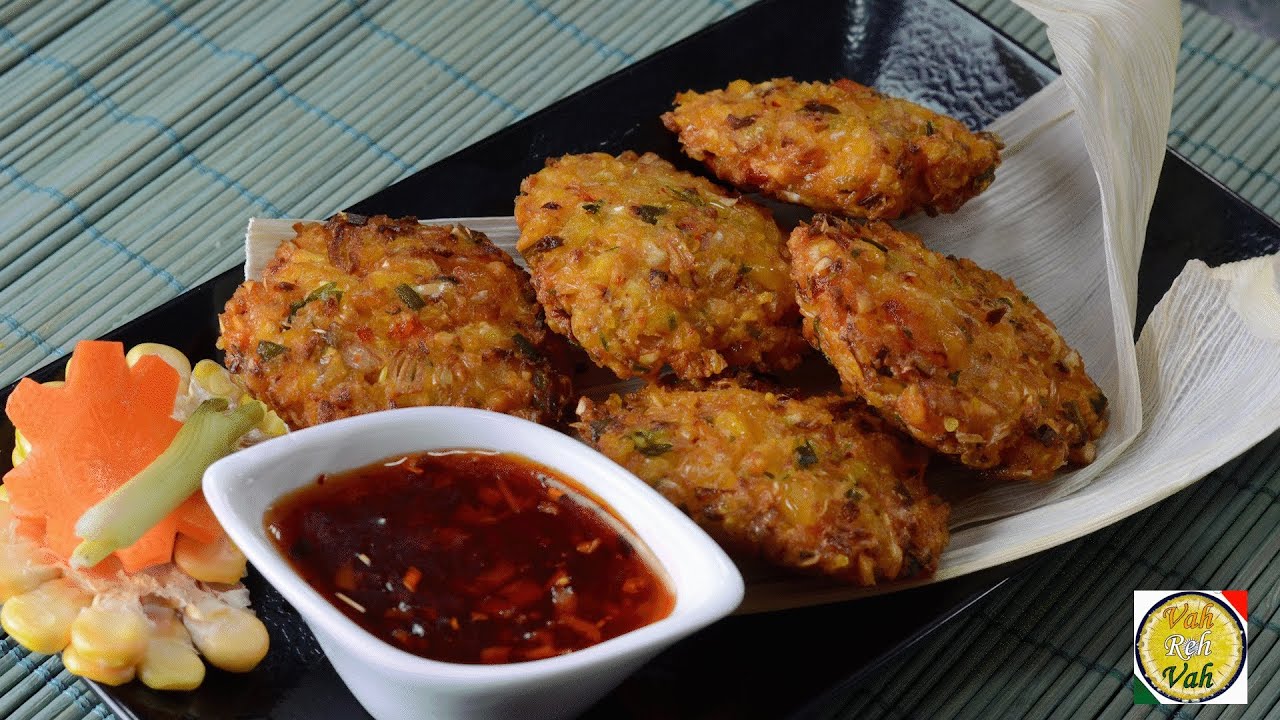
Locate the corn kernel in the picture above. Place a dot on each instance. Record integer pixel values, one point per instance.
(111, 637)
(230, 638)
(40, 620)
(77, 664)
(731, 423)
(217, 562)
(165, 622)
(171, 664)
(214, 379)
(270, 425)
(20, 569)
(170, 355)
(21, 447)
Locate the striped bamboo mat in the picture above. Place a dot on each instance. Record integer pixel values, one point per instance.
(136, 136)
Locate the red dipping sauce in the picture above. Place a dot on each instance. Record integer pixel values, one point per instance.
(469, 557)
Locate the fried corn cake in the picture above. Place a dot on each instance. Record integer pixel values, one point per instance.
(361, 314)
(839, 147)
(952, 353)
(819, 486)
(647, 267)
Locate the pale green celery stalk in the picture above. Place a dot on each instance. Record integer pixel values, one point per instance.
(118, 520)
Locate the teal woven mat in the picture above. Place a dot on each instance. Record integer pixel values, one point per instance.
(137, 136)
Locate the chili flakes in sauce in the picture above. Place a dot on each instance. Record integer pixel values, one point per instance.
(469, 557)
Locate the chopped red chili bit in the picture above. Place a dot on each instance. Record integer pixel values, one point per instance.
(411, 578)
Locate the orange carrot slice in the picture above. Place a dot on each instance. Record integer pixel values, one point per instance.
(90, 436)
(197, 521)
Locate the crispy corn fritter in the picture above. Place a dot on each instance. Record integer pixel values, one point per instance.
(361, 314)
(953, 353)
(839, 147)
(645, 266)
(818, 485)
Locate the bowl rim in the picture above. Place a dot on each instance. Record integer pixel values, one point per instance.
(718, 591)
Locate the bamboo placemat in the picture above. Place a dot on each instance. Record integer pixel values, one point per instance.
(136, 135)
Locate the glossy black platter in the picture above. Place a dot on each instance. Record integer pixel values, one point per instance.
(766, 665)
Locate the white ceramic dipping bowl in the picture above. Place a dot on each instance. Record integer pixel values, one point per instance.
(393, 684)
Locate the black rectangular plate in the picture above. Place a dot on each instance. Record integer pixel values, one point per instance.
(768, 665)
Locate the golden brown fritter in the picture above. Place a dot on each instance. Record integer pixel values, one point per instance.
(953, 353)
(818, 485)
(839, 147)
(645, 266)
(362, 314)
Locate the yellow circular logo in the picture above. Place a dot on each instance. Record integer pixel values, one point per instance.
(1190, 647)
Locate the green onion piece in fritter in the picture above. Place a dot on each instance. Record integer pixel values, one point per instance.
(649, 213)
(873, 243)
(648, 444)
(324, 292)
(526, 347)
(689, 195)
(806, 455)
(268, 349)
(410, 297)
